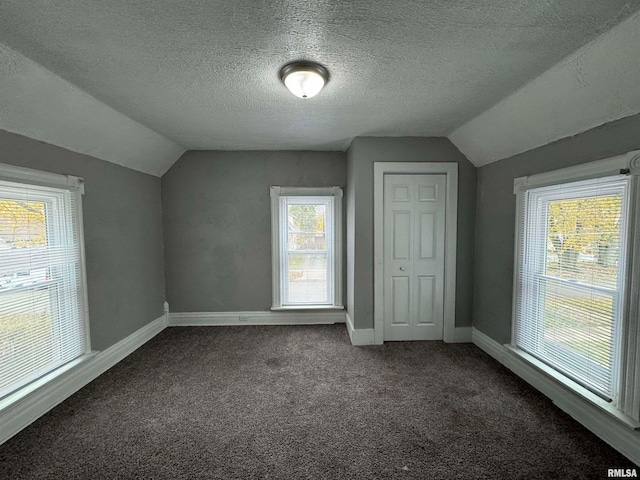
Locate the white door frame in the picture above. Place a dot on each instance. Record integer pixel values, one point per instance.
(450, 169)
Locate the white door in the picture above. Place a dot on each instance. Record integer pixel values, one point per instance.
(414, 233)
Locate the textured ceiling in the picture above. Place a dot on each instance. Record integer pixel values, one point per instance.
(38, 104)
(594, 85)
(205, 73)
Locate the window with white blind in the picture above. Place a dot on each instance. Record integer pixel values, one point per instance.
(572, 277)
(306, 247)
(43, 319)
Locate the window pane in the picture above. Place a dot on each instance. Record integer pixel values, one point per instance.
(304, 247)
(307, 242)
(26, 334)
(307, 278)
(568, 312)
(584, 239)
(41, 296)
(577, 330)
(306, 227)
(22, 224)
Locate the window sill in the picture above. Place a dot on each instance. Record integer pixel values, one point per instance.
(573, 387)
(29, 389)
(308, 307)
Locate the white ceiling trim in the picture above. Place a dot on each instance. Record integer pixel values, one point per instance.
(38, 104)
(596, 84)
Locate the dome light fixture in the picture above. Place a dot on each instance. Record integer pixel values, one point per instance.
(304, 79)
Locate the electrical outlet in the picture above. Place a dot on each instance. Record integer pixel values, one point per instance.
(243, 318)
(166, 307)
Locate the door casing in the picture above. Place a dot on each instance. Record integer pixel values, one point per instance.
(450, 169)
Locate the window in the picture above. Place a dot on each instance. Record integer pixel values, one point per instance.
(573, 265)
(306, 244)
(43, 320)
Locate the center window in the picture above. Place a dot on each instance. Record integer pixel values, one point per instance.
(306, 247)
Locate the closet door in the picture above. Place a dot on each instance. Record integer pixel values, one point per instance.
(414, 232)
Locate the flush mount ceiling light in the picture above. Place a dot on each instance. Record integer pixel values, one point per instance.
(304, 79)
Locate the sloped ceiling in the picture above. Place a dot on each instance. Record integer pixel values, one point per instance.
(597, 84)
(137, 82)
(38, 104)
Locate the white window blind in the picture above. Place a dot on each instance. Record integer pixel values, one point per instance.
(306, 247)
(570, 279)
(42, 298)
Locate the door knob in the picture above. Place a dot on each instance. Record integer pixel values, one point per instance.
(402, 269)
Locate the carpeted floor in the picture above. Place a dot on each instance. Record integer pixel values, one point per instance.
(301, 402)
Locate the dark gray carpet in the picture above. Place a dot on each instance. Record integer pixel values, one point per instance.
(301, 402)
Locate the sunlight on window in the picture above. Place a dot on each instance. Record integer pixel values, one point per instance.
(570, 279)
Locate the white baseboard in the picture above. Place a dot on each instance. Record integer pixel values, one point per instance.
(360, 336)
(366, 336)
(603, 424)
(213, 319)
(349, 323)
(32, 406)
(462, 335)
(489, 345)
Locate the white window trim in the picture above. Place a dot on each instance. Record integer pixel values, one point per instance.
(574, 387)
(276, 192)
(75, 185)
(12, 173)
(627, 409)
(599, 168)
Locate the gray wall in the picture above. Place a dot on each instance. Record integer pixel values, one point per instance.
(123, 235)
(217, 223)
(363, 152)
(495, 221)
